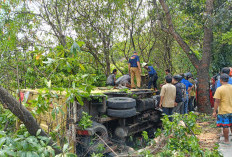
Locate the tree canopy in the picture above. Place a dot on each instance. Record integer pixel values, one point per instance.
(78, 43)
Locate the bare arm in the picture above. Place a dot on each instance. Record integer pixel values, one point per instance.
(190, 88)
(175, 103)
(216, 104)
(161, 100)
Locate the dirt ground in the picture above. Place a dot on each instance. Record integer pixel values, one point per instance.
(210, 134)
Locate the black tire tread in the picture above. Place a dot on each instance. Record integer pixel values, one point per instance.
(126, 113)
(121, 103)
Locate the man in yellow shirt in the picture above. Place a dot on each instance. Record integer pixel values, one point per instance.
(223, 100)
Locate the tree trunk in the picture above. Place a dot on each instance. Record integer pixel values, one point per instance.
(107, 63)
(112, 59)
(203, 90)
(202, 66)
(24, 115)
(106, 44)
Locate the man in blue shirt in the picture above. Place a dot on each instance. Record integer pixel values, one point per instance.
(134, 70)
(189, 86)
(152, 76)
(225, 70)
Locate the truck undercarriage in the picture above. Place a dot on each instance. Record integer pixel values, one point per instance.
(116, 116)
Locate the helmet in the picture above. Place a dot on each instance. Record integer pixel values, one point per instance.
(177, 77)
(144, 64)
(188, 75)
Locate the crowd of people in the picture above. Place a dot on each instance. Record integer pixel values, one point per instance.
(177, 94)
(179, 91)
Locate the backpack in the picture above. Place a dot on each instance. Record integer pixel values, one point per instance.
(183, 90)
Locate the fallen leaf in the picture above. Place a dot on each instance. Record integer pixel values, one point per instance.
(38, 56)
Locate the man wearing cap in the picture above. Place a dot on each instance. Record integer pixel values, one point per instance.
(223, 100)
(134, 70)
(152, 76)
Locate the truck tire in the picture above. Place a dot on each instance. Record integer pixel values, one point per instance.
(92, 143)
(121, 103)
(145, 104)
(121, 113)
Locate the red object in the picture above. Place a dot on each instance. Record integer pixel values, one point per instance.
(21, 96)
(213, 81)
(82, 132)
(229, 125)
(211, 98)
(230, 72)
(51, 105)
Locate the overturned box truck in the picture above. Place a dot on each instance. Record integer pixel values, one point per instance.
(116, 115)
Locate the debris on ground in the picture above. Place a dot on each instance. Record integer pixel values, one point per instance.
(210, 134)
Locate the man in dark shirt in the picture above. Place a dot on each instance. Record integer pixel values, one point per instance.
(152, 76)
(111, 78)
(134, 70)
(178, 101)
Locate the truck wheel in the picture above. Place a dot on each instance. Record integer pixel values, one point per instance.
(121, 103)
(93, 143)
(121, 113)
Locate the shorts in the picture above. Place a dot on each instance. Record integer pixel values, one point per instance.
(224, 120)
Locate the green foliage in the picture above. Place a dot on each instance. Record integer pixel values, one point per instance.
(146, 153)
(35, 58)
(83, 90)
(227, 37)
(7, 120)
(65, 152)
(25, 145)
(222, 56)
(145, 135)
(100, 147)
(97, 155)
(85, 121)
(181, 139)
(99, 152)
